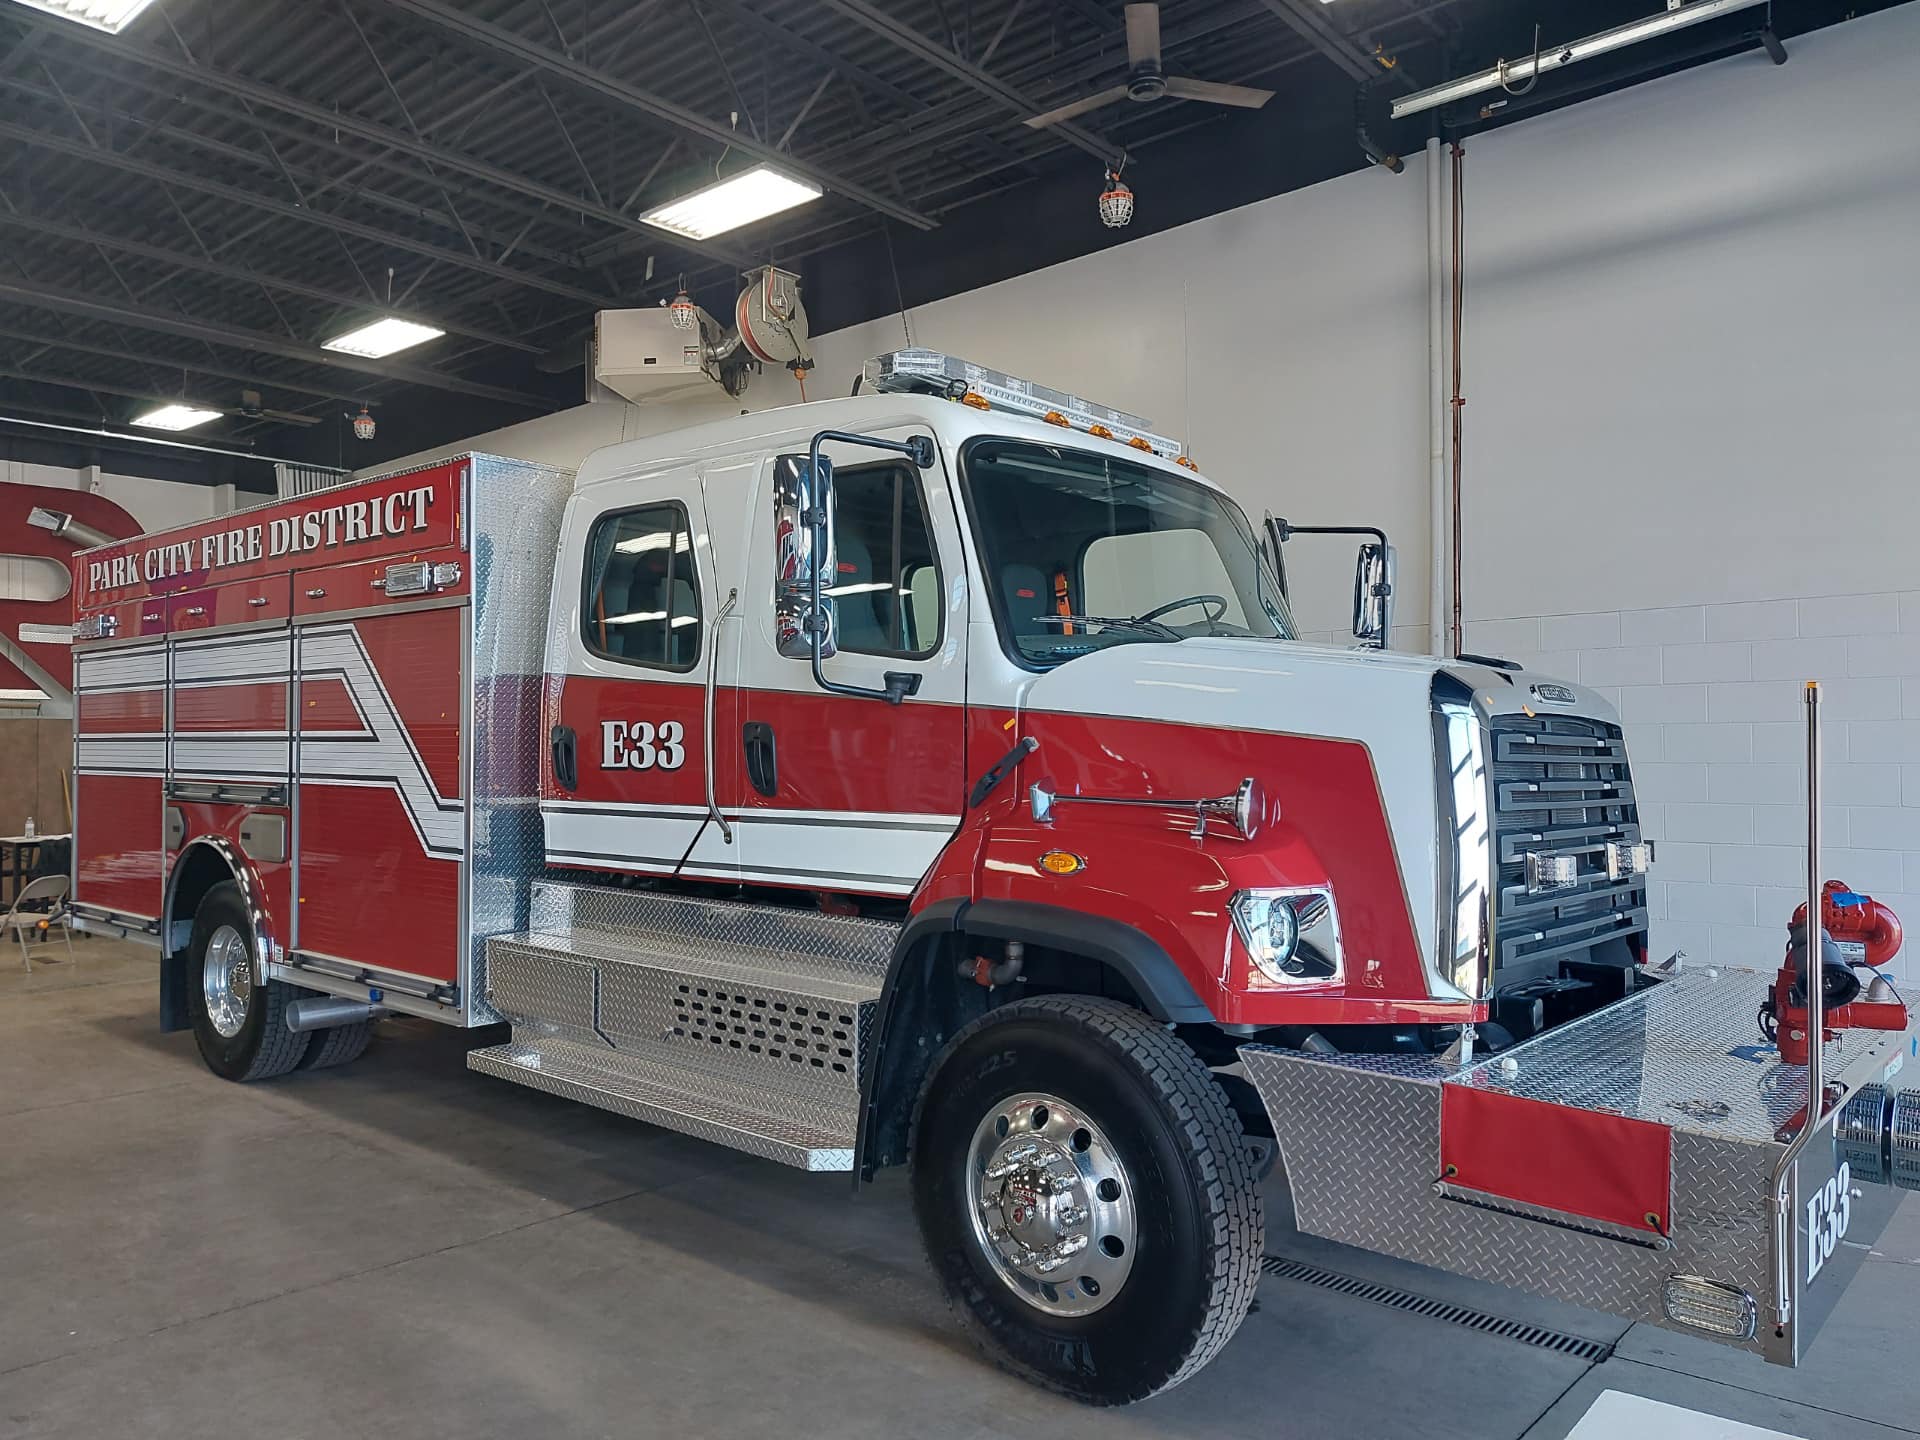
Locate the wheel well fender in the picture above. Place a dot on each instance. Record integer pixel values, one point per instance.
(206, 862)
(1159, 986)
(925, 1000)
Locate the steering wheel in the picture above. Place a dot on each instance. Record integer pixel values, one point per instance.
(1219, 601)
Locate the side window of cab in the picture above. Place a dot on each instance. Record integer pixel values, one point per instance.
(887, 590)
(641, 595)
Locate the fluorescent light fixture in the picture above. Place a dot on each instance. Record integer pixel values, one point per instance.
(383, 338)
(175, 417)
(728, 204)
(655, 540)
(651, 617)
(1555, 57)
(113, 16)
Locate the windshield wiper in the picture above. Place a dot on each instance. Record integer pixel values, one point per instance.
(1116, 622)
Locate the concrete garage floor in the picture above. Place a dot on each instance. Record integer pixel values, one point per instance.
(405, 1248)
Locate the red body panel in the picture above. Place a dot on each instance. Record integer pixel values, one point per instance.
(121, 712)
(368, 892)
(840, 752)
(215, 709)
(243, 602)
(329, 589)
(1582, 1162)
(129, 619)
(417, 657)
(116, 844)
(1144, 867)
(326, 705)
(586, 702)
(397, 517)
(835, 752)
(372, 891)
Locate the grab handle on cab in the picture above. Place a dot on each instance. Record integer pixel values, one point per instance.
(566, 764)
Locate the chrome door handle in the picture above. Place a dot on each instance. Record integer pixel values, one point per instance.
(315, 593)
(258, 600)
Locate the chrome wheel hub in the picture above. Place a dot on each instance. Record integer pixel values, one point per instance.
(1053, 1208)
(226, 981)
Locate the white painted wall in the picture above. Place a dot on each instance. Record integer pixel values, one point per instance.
(1692, 446)
(1251, 335)
(1692, 332)
(154, 503)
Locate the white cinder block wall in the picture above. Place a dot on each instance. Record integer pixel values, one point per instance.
(1692, 443)
(1693, 457)
(1711, 696)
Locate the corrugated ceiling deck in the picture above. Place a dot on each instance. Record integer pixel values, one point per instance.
(164, 193)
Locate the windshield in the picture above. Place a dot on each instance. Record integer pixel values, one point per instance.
(1084, 551)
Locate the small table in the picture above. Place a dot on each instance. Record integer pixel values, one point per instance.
(18, 855)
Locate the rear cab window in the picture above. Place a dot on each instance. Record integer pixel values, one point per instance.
(641, 600)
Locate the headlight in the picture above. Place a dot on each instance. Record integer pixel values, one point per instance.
(1292, 935)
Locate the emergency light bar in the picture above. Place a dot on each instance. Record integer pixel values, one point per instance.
(930, 372)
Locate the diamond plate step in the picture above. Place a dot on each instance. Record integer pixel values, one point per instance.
(692, 1099)
(856, 949)
(798, 975)
(739, 1023)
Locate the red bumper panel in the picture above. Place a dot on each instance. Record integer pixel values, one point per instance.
(1581, 1162)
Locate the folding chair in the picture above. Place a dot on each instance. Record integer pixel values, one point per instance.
(43, 901)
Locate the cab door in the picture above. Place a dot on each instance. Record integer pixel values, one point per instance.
(632, 661)
(848, 792)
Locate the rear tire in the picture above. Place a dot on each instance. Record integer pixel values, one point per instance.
(241, 1027)
(341, 1045)
(1146, 1189)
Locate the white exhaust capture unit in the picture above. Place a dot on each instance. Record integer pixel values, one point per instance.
(648, 355)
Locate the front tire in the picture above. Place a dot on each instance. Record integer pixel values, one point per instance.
(241, 1027)
(1085, 1197)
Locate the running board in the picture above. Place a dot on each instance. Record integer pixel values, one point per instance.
(741, 1024)
(692, 1100)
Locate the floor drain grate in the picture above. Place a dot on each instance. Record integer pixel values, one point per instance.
(1558, 1341)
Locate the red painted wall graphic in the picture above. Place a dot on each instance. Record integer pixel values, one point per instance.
(19, 538)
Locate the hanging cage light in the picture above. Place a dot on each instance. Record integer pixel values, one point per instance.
(1116, 202)
(363, 426)
(683, 312)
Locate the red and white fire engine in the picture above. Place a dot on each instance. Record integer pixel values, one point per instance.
(932, 777)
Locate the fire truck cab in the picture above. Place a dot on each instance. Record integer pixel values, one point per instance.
(935, 777)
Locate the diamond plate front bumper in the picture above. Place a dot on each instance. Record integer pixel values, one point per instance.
(1773, 1218)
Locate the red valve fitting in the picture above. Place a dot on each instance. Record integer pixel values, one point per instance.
(1847, 915)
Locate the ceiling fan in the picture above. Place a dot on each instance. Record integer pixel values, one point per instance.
(251, 409)
(1147, 81)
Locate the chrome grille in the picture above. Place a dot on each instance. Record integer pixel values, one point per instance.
(1561, 786)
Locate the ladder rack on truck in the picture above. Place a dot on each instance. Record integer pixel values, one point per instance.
(780, 782)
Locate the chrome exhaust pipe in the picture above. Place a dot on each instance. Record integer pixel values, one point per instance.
(324, 1012)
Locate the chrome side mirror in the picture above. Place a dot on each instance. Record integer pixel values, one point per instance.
(1373, 594)
(803, 549)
